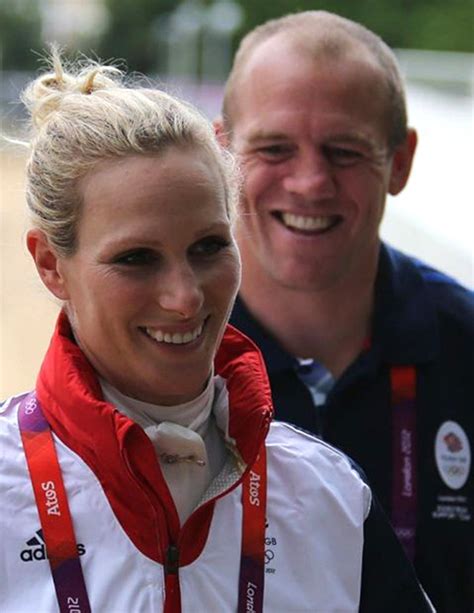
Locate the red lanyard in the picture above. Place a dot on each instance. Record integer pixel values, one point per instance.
(53, 508)
(404, 456)
(252, 560)
(58, 531)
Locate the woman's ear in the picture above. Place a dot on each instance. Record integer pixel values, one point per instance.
(47, 263)
(401, 163)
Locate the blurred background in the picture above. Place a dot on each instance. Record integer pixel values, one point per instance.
(186, 48)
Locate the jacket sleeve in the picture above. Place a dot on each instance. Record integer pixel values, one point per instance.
(389, 583)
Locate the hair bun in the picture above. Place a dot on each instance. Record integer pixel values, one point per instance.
(46, 94)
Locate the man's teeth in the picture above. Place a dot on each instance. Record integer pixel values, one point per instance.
(303, 222)
(176, 338)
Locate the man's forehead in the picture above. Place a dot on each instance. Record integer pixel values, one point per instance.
(282, 77)
(334, 47)
(291, 78)
(275, 134)
(278, 70)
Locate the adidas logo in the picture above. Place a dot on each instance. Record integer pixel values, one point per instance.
(37, 551)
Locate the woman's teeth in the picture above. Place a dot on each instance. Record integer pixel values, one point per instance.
(176, 338)
(303, 222)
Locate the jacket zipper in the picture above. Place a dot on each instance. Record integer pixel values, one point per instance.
(172, 602)
(172, 560)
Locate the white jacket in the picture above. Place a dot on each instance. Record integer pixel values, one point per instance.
(328, 549)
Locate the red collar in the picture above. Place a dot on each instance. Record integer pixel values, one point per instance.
(119, 452)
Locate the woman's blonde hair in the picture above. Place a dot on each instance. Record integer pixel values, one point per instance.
(88, 113)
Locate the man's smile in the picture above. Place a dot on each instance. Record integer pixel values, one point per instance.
(308, 223)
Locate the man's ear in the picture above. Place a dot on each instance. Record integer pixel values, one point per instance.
(221, 133)
(47, 263)
(401, 163)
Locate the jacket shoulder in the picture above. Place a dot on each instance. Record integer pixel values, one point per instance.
(449, 295)
(9, 417)
(452, 302)
(309, 457)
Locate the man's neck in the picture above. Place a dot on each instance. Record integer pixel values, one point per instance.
(329, 326)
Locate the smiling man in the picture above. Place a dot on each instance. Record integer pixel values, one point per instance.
(365, 346)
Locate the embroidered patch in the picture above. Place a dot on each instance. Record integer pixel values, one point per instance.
(452, 454)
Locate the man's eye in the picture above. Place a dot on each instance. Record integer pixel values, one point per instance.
(209, 246)
(342, 156)
(275, 153)
(140, 257)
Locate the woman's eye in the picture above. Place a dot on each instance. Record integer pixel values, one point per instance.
(140, 257)
(209, 246)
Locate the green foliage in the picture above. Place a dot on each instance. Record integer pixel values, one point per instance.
(450, 27)
(20, 34)
(131, 32)
(416, 24)
(134, 26)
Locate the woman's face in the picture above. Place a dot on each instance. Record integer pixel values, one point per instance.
(150, 287)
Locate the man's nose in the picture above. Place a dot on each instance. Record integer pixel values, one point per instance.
(180, 291)
(311, 177)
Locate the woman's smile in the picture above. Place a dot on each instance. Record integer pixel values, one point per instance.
(177, 337)
(139, 267)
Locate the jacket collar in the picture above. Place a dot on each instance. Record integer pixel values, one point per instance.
(68, 388)
(118, 451)
(277, 359)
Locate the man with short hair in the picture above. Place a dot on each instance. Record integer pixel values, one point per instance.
(366, 347)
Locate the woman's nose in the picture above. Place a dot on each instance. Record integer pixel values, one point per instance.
(311, 177)
(181, 292)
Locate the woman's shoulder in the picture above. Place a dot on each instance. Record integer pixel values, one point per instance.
(308, 457)
(301, 442)
(15, 477)
(9, 430)
(9, 410)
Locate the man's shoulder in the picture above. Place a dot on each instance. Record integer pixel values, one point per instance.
(451, 301)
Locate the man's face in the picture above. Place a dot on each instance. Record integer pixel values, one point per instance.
(312, 140)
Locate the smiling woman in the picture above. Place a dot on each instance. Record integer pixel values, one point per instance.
(145, 293)
(153, 478)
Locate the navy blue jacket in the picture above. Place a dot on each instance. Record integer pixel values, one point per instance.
(425, 319)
